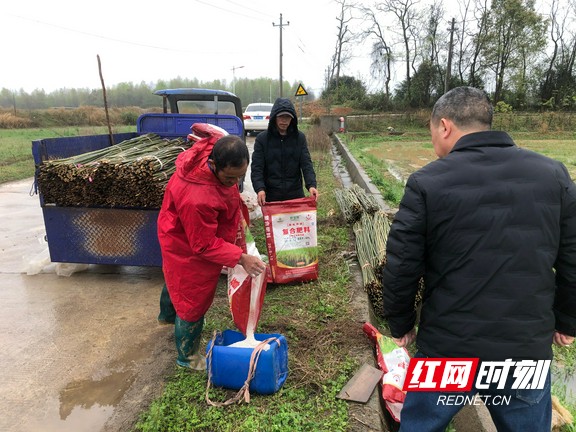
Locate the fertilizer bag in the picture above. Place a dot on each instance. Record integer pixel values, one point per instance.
(393, 361)
(290, 228)
(245, 293)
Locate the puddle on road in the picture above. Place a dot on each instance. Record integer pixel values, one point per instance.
(88, 404)
(88, 393)
(80, 419)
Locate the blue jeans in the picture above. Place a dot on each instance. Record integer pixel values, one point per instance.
(527, 410)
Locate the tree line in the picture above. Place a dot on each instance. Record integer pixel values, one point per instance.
(141, 95)
(521, 52)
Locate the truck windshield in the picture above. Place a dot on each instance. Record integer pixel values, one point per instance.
(205, 107)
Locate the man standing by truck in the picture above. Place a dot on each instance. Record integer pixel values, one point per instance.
(197, 229)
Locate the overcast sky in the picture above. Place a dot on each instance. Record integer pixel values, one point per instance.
(53, 44)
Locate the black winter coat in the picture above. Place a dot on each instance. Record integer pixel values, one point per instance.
(492, 228)
(279, 162)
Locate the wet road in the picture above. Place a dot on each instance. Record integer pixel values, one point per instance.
(81, 352)
(72, 346)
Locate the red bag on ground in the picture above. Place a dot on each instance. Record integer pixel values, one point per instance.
(291, 240)
(393, 361)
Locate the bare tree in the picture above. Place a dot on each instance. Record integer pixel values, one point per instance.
(571, 45)
(406, 13)
(433, 41)
(479, 40)
(464, 39)
(558, 85)
(343, 38)
(381, 54)
(556, 37)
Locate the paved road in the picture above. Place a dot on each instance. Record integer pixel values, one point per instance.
(80, 352)
(73, 347)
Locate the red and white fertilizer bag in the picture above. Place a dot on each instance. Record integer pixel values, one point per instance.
(291, 239)
(245, 293)
(393, 361)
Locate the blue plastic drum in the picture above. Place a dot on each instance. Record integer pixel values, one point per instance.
(230, 365)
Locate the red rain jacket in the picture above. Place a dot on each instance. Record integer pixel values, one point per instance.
(197, 229)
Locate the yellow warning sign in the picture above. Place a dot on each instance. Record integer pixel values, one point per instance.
(300, 91)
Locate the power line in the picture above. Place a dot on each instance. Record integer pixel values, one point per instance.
(250, 9)
(100, 36)
(227, 10)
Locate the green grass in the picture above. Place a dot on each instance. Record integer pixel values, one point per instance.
(16, 160)
(382, 156)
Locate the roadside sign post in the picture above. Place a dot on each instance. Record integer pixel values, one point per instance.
(300, 91)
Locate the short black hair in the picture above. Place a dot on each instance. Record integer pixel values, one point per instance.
(230, 151)
(465, 106)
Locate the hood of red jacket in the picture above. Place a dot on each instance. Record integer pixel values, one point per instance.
(192, 164)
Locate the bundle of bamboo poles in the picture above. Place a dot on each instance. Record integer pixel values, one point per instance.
(354, 201)
(371, 233)
(133, 173)
(367, 200)
(371, 227)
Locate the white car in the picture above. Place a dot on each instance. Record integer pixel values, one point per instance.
(256, 117)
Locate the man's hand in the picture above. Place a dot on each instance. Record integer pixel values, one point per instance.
(261, 198)
(313, 193)
(562, 340)
(252, 264)
(405, 340)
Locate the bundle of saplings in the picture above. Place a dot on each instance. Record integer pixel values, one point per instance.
(371, 227)
(133, 173)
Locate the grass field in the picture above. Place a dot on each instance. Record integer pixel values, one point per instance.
(389, 160)
(16, 161)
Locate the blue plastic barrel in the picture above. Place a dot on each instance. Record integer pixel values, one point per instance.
(230, 365)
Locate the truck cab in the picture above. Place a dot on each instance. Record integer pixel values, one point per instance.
(200, 101)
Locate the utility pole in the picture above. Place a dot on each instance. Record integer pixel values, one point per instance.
(234, 77)
(449, 66)
(281, 25)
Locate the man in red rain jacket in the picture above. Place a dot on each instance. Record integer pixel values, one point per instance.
(197, 228)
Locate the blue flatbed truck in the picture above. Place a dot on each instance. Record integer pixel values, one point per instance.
(126, 236)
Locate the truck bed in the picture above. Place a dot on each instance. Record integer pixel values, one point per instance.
(118, 236)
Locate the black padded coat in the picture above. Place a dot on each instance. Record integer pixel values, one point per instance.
(280, 162)
(492, 228)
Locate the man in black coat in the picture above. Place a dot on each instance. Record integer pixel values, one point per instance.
(492, 229)
(281, 158)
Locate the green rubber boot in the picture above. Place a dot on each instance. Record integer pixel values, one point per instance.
(167, 313)
(187, 336)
